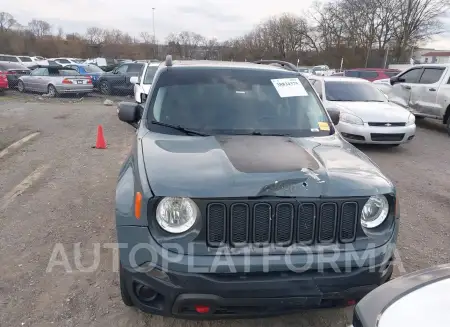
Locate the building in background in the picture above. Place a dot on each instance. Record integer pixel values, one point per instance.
(436, 57)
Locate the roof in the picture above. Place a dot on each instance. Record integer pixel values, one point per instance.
(225, 64)
(437, 54)
(13, 65)
(340, 79)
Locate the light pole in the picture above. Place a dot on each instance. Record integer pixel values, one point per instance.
(154, 34)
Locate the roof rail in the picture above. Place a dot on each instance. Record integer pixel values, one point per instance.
(283, 64)
(168, 60)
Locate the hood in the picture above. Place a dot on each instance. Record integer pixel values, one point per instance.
(242, 166)
(382, 112)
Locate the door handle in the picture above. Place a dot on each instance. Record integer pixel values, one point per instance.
(432, 89)
(407, 87)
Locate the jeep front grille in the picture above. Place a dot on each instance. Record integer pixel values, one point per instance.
(282, 223)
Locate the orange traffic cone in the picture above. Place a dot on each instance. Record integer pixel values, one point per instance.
(101, 143)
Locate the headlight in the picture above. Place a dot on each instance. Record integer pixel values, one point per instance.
(411, 119)
(374, 211)
(351, 119)
(176, 215)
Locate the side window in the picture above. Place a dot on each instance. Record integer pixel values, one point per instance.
(448, 81)
(431, 75)
(122, 69)
(368, 74)
(411, 76)
(37, 72)
(351, 73)
(134, 68)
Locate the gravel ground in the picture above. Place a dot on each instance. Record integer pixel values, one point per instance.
(66, 195)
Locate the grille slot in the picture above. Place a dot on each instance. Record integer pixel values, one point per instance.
(386, 137)
(216, 224)
(328, 217)
(386, 124)
(349, 217)
(306, 223)
(284, 224)
(262, 218)
(280, 222)
(239, 219)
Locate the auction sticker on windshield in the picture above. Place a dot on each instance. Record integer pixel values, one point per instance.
(323, 126)
(289, 87)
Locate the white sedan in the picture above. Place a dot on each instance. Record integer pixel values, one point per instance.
(366, 116)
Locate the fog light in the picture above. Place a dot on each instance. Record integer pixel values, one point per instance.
(145, 293)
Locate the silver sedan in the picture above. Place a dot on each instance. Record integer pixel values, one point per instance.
(55, 80)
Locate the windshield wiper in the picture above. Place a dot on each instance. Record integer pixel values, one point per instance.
(179, 128)
(373, 101)
(268, 134)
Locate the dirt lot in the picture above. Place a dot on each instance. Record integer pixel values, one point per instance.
(56, 188)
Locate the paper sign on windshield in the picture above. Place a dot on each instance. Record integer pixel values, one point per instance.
(289, 87)
(323, 126)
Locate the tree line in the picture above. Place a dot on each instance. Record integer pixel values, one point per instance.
(365, 33)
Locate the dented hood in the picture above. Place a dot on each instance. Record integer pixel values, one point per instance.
(248, 166)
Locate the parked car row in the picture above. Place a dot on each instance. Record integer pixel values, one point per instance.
(56, 77)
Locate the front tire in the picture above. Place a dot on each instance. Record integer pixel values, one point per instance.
(52, 91)
(105, 88)
(21, 87)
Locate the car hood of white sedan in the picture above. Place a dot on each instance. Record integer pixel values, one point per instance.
(380, 112)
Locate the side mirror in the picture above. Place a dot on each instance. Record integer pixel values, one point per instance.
(130, 112)
(395, 79)
(334, 115)
(134, 80)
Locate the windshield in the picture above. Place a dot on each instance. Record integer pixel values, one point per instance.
(149, 74)
(68, 72)
(237, 101)
(92, 69)
(352, 91)
(25, 59)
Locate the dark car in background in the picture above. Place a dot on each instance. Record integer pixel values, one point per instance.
(118, 80)
(371, 74)
(90, 70)
(13, 71)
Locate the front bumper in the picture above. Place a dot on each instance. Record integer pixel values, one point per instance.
(192, 281)
(240, 295)
(75, 89)
(365, 134)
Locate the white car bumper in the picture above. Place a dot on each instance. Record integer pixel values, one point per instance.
(365, 134)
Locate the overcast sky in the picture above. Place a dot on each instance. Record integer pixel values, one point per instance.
(212, 18)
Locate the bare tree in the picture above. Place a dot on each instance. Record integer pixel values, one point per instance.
(39, 28)
(6, 21)
(95, 35)
(147, 37)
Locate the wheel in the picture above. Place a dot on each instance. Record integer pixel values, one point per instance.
(21, 87)
(126, 298)
(105, 88)
(52, 91)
